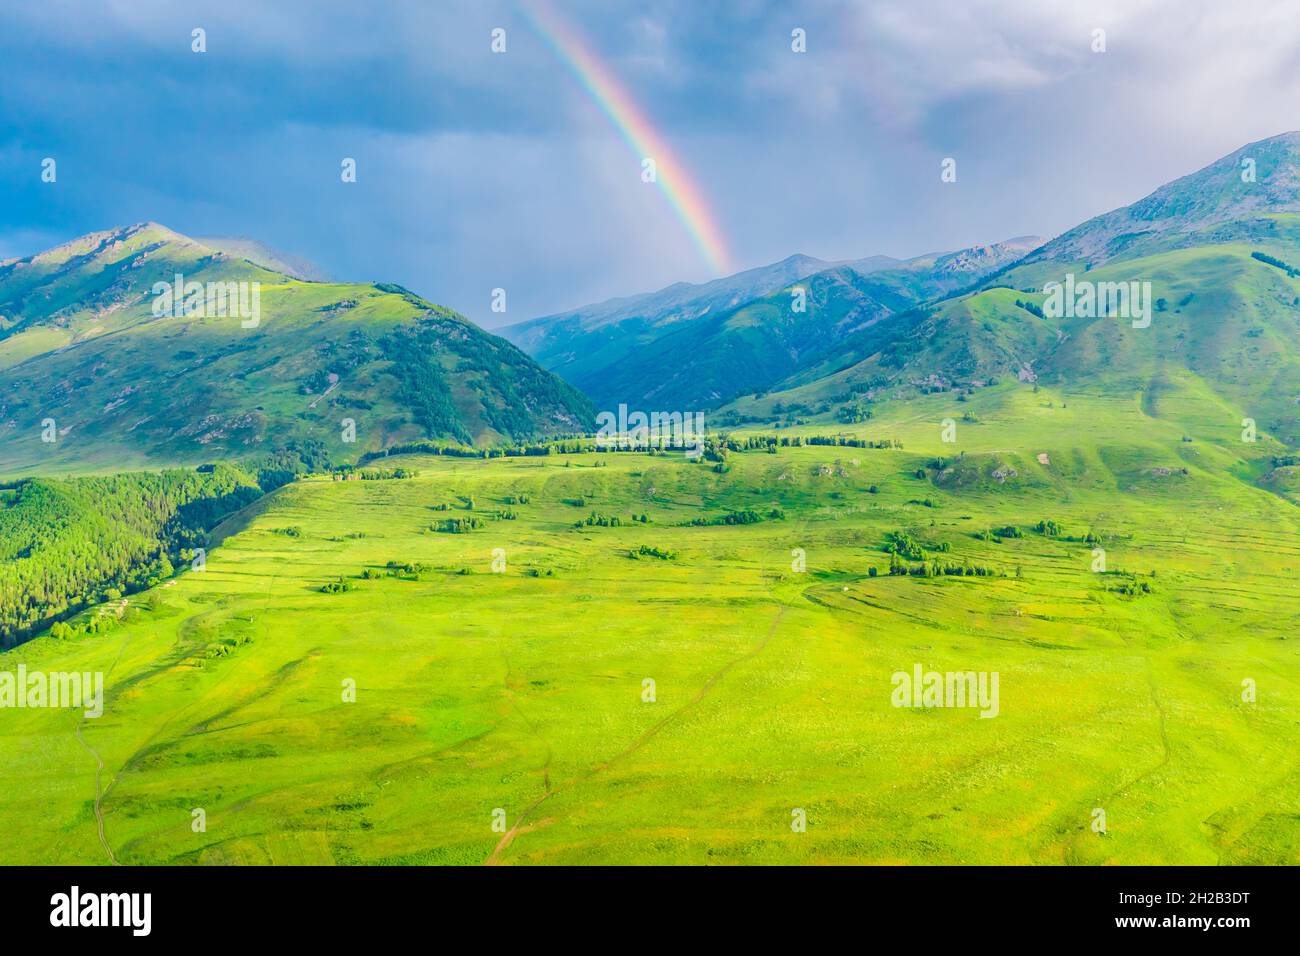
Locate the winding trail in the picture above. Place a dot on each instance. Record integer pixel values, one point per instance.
(1069, 855)
(99, 762)
(99, 812)
(509, 836)
(654, 730)
(102, 791)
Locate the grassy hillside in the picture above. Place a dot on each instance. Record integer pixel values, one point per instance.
(1222, 345)
(523, 690)
(80, 344)
(1218, 252)
(1233, 198)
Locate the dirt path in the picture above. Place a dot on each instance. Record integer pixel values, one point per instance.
(99, 812)
(1068, 852)
(99, 764)
(509, 836)
(102, 791)
(636, 745)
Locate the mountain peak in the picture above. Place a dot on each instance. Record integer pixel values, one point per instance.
(82, 340)
(800, 259)
(1254, 181)
(94, 245)
(144, 240)
(1291, 137)
(1021, 242)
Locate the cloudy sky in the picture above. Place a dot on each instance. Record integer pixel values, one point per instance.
(478, 170)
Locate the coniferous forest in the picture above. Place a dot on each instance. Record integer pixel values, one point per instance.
(67, 543)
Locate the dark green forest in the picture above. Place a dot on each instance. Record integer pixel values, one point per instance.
(66, 544)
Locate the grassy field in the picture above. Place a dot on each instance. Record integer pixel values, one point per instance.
(522, 691)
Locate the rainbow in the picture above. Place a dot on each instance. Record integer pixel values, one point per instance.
(637, 131)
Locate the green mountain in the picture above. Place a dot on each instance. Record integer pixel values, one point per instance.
(1220, 342)
(701, 346)
(584, 344)
(1235, 198)
(92, 376)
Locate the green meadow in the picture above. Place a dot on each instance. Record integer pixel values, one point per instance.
(501, 710)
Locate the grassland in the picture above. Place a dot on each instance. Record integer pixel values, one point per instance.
(523, 690)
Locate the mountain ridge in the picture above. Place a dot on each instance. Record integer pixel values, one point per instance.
(1190, 204)
(1221, 327)
(705, 345)
(268, 257)
(83, 345)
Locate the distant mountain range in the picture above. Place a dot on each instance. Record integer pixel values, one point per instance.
(704, 345)
(1220, 249)
(92, 375)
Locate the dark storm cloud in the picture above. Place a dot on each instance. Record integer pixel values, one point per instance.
(478, 171)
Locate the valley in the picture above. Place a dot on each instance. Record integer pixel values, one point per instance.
(501, 716)
(366, 586)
